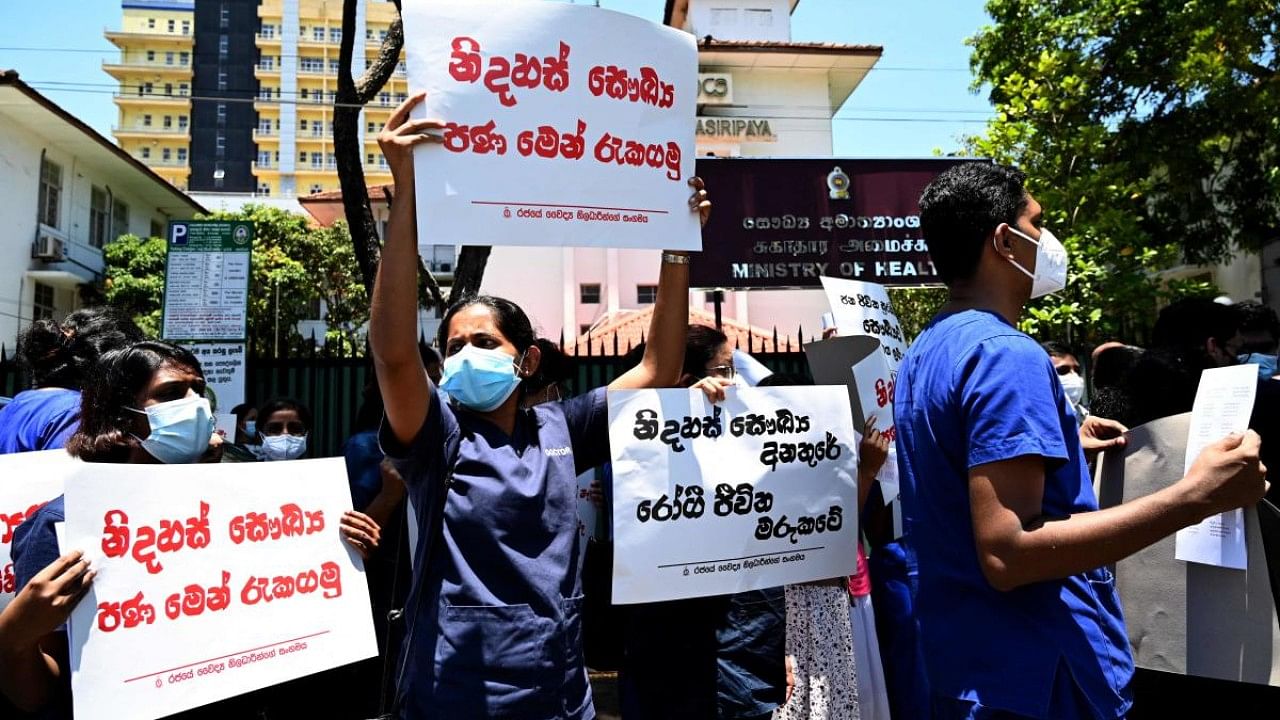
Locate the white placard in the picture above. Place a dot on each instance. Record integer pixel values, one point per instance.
(863, 308)
(874, 381)
(224, 372)
(30, 480)
(1223, 405)
(222, 579)
(757, 492)
(570, 125)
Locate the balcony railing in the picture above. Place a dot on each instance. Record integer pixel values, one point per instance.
(148, 130)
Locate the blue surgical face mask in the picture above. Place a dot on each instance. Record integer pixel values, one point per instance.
(250, 427)
(180, 430)
(283, 447)
(1266, 364)
(480, 379)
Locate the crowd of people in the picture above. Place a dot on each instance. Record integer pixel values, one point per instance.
(995, 601)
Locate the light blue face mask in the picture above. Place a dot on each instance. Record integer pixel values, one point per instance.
(180, 430)
(251, 428)
(1266, 364)
(480, 379)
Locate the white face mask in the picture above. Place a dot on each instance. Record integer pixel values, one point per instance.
(1051, 263)
(283, 447)
(1073, 386)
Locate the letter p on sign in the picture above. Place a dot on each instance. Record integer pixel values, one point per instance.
(178, 234)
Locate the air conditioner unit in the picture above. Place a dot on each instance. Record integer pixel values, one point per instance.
(48, 248)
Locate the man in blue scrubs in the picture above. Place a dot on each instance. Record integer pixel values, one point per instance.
(1018, 616)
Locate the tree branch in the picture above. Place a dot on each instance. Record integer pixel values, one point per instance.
(375, 76)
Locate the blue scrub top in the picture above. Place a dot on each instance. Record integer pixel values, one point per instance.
(497, 631)
(39, 420)
(973, 390)
(364, 467)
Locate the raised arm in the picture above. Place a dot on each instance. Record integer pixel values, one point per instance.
(393, 313)
(1017, 545)
(664, 350)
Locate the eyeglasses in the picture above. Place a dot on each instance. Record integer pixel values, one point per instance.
(280, 428)
(722, 371)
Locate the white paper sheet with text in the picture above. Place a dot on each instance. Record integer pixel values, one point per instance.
(1224, 402)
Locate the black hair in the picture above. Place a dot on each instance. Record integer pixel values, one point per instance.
(1058, 349)
(1112, 366)
(701, 344)
(428, 354)
(62, 354)
(510, 319)
(1255, 317)
(962, 207)
(276, 405)
(783, 380)
(1184, 326)
(115, 382)
(555, 368)
(241, 410)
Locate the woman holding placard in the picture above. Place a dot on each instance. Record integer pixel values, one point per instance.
(494, 618)
(144, 404)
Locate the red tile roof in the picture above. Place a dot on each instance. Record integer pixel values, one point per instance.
(629, 327)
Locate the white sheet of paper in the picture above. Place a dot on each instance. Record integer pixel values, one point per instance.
(172, 623)
(863, 308)
(1223, 405)
(531, 157)
(744, 508)
(751, 369)
(27, 481)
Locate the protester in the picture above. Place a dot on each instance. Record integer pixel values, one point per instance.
(709, 657)
(246, 424)
(1259, 336)
(1108, 381)
(283, 425)
(1018, 615)
(493, 619)
(58, 355)
(144, 404)
(1069, 375)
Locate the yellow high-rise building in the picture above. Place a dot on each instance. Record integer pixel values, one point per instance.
(156, 44)
(237, 95)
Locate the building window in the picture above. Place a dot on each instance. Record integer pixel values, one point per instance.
(182, 122)
(119, 219)
(224, 45)
(222, 113)
(724, 16)
(43, 305)
(384, 99)
(182, 155)
(157, 230)
(165, 154)
(168, 58)
(264, 158)
(168, 121)
(146, 121)
(589, 293)
(316, 187)
(146, 153)
(268, 31)
(183, 89)
(222, 79)
(335, 35)
(151, 23)
(171, 26)
(220, 143)
(317, 161)
(368, 159)
(646, 294)
(224, 18)
(151, 56)
(147, 88)
(184, 58)
(317, 34)
(302, 157)
(99, 216)
(168, 89)
(186, 27)
(757, 18)
(311, 64)
(264, 126)
(302, 124)
(372, 128)
(264, 189)
(304, 94)
(333, 66)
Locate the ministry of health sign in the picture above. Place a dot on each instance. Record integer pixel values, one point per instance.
(785, 223)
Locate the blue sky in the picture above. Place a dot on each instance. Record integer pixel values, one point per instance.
(917, 101)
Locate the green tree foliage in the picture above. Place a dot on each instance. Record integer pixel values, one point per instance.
(295, 267)
(1149, 130)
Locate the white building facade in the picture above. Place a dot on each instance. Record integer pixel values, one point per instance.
(68, 192)
(760, 95)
